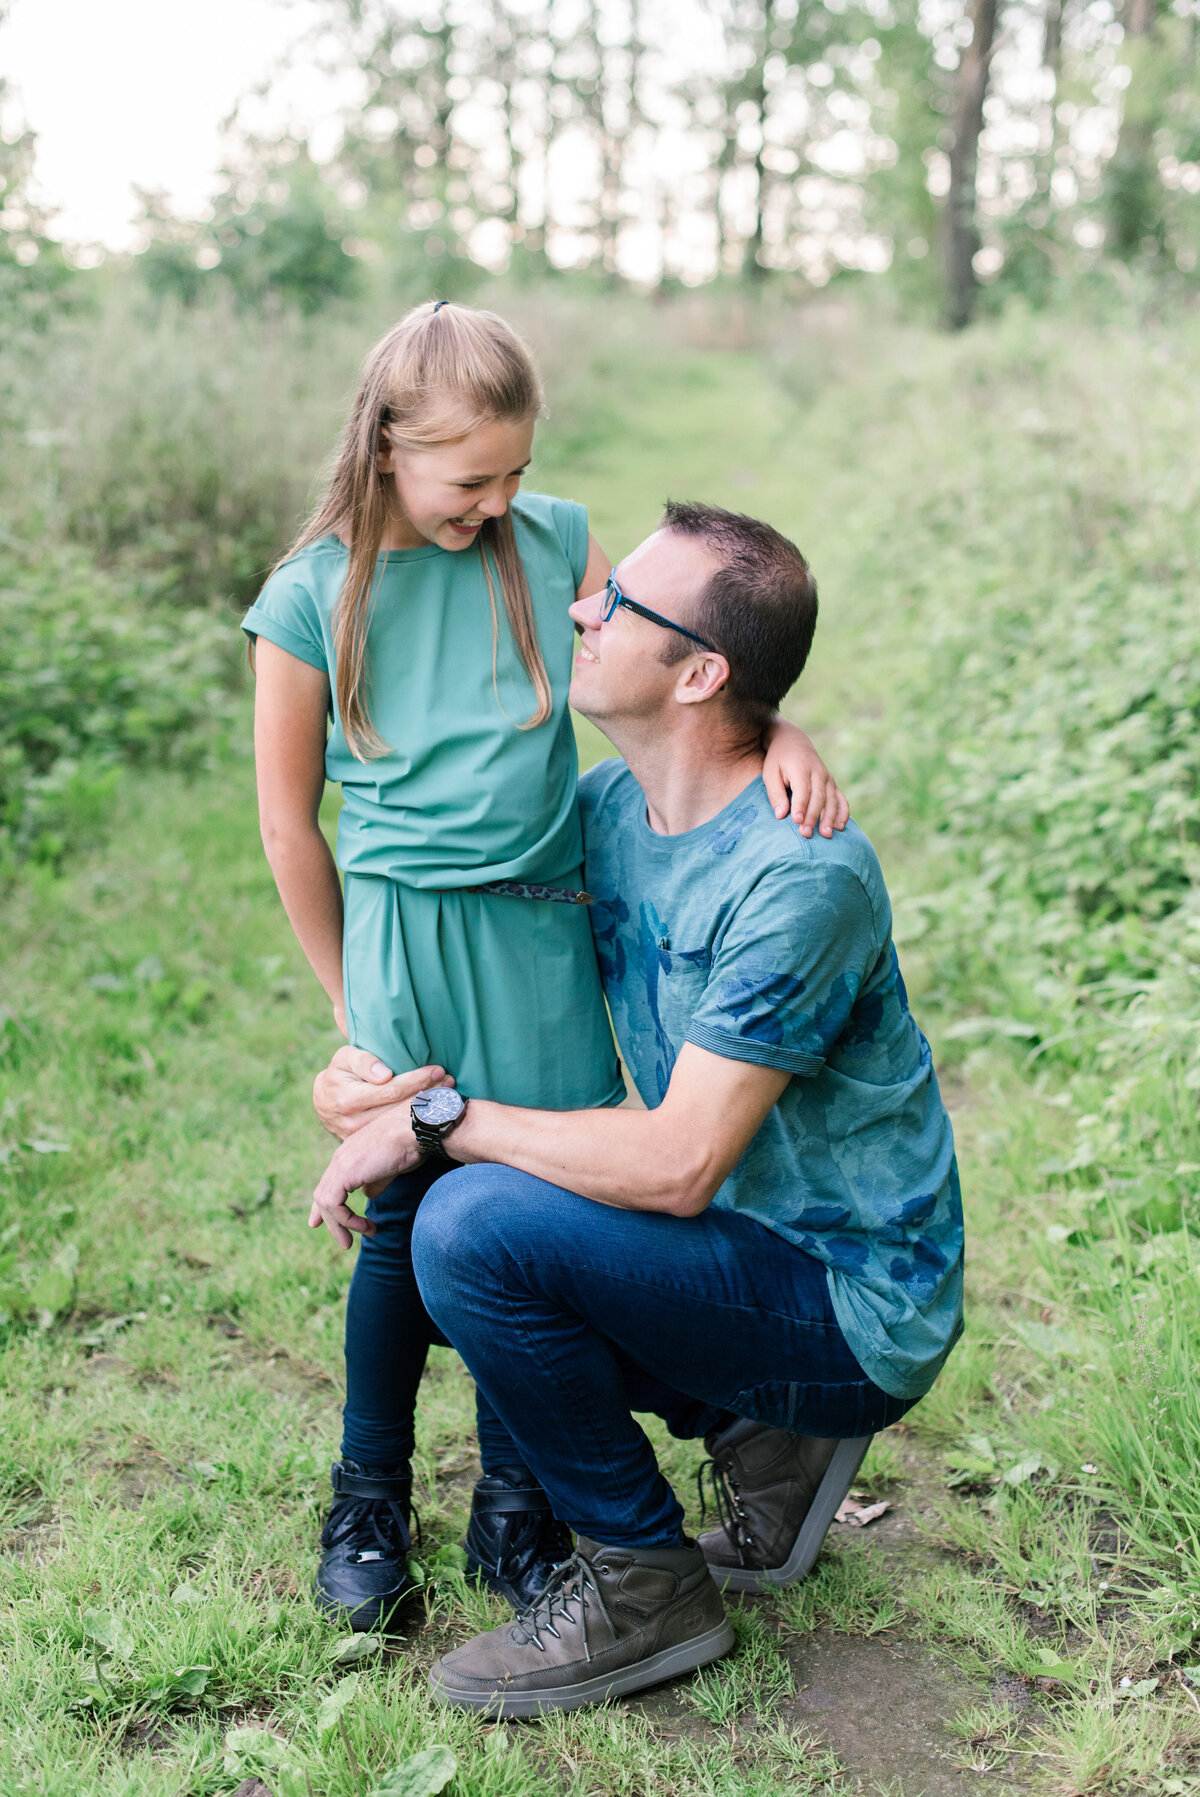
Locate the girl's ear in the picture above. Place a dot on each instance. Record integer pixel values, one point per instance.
(385, 456)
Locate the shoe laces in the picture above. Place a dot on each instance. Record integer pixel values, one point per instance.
(371, 1525)
(727, 1501)
(572, 1582)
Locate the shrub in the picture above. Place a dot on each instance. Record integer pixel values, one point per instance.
(1042, 544)
(95, 675)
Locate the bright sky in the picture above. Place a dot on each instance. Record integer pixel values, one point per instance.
(133, 91)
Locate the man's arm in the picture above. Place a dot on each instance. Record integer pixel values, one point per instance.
(673, 1159)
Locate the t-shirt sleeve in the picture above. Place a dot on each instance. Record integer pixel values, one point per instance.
(785, 976)
(286, 613)
(571, 523)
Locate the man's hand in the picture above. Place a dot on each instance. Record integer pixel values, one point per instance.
(356, 1087)
(373, 1155)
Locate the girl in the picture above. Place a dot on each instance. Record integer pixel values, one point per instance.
(451, 740)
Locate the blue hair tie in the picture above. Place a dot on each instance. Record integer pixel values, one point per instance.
(438, 304)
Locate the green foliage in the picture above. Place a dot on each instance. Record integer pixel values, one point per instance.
(95, 676)
(277, 235)
(913, 102)
(1151, 216)
(1052, 691)
(35, 280)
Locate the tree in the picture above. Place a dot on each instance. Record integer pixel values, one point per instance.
(275, 233)
(960, 230)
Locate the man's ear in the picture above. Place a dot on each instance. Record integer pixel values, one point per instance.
(701, 678)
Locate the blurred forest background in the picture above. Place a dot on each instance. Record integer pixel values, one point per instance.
(919, 282)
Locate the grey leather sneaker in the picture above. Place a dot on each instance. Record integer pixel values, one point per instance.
(776, 1497)
(611, 1620)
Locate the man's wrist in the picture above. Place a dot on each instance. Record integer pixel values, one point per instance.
(464, 1145)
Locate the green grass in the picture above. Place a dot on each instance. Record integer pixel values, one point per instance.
(171, 1359)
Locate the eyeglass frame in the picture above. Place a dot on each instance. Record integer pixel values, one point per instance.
(615, 597)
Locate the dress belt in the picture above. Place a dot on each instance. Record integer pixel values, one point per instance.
(555, 895)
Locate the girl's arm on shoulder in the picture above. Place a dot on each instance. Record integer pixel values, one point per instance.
(797, 779)
(291, 706)
(599, 567)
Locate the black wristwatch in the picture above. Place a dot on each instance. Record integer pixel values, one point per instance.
(435, 1112)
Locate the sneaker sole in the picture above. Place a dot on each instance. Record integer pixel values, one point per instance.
(688, 1656)
(839, 1477)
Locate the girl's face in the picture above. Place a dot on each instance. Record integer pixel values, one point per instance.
(445, 493)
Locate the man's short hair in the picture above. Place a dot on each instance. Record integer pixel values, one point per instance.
(759, 608)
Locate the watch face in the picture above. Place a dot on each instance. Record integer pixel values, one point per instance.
(440, 1105)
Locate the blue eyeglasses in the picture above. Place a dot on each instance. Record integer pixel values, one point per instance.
(615, 597)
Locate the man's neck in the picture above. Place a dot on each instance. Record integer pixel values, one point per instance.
(689, 777)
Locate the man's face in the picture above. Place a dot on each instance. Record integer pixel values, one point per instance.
(619, 667)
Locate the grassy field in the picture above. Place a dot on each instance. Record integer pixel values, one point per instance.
(171, 1360)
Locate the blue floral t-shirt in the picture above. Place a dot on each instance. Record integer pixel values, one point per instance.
(753, 943)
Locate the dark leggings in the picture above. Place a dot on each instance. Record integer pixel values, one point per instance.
(388, 1336)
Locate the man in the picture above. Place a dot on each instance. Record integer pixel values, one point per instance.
(769, 1255)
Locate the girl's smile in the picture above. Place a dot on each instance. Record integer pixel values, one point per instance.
(445, 494)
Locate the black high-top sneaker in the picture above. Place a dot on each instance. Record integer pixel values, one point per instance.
(776, 1497)
(363, 1575)
(514, 1540)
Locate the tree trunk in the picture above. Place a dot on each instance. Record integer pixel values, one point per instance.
(1133, 191)
(1052, 31)
(755, 267)
(960, 233)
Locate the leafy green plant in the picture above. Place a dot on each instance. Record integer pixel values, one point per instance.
(95, 676)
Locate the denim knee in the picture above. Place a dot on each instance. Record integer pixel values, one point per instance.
(455, 1228)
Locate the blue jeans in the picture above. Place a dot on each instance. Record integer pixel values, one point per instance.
(571, 1315)
(388, 1336)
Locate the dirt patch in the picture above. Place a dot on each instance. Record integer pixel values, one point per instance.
(273, 1367)
(142, 1468)
(883, 1707)
(35, 1546)
(149, 1733)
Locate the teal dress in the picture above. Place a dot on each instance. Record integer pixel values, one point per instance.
(502, 991)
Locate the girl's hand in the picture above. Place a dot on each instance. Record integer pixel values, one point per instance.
(356, 1087)
(797, 779)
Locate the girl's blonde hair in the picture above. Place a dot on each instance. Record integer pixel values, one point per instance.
(443, 371)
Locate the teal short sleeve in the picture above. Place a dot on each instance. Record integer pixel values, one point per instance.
(287, 614)
(786, 974)
(571, 525)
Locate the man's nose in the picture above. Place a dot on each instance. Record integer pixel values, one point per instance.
(588, 611)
